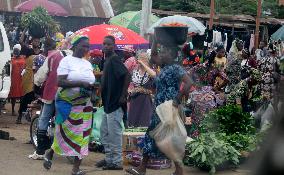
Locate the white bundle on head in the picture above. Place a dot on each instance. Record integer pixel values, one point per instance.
(68, 34)
(17, 46)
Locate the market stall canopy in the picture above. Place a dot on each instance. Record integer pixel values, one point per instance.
(131, 20)
(123, 36)
(194, 26)
(278, 35)
(51, 7)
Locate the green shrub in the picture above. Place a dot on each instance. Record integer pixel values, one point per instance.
(229, 119)
(39, 18)
(210, 150)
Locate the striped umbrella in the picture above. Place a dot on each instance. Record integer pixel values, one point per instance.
(131, 20)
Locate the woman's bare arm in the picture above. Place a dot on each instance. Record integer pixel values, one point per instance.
(64, 83)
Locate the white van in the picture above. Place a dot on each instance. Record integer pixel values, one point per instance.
(5, 68)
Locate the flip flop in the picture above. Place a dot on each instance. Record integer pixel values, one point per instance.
(80, 172)
(47, 164)
(133, 171)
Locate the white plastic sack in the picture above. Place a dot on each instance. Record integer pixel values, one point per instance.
(170, 135)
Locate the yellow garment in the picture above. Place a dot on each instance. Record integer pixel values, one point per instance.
(220, 62)
(28, 77)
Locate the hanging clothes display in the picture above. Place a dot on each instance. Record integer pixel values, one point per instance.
(251, 46)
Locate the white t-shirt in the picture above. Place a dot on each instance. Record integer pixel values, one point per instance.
(77, 69)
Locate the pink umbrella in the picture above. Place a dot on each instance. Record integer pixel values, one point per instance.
(51, 7)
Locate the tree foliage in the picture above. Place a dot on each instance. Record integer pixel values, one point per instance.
(234, 7)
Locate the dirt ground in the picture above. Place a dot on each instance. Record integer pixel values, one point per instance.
(14, 160)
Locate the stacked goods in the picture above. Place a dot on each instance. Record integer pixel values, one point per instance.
(39, 23)
(133, 142)
(174, 24)
(134, 158)
(130, 143)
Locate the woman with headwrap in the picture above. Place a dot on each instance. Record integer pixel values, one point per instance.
(73, 106)
(236, 50)
(18, 64)
(234, 67)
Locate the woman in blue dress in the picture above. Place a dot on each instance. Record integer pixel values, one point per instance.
(167, 84)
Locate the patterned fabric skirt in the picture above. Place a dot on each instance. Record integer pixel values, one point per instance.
(71, 138)
(150, 148)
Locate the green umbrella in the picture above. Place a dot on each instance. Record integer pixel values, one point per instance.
(131, 20)
(278, 35)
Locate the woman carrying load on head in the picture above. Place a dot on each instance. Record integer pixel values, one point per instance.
(167, 84)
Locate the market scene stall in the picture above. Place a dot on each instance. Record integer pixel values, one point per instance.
(142, 87)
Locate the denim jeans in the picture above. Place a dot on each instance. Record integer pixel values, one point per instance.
(46, 114)
(111, 137)
(44, 142)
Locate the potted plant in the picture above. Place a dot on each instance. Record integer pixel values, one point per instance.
(39, 23)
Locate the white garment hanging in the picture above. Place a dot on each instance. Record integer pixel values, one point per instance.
(219, 37)
(251, 46)
(214, 37)
(226, 41)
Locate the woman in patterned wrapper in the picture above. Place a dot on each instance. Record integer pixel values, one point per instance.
(73, 106)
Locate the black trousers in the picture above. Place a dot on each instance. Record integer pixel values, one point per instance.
(25, 100)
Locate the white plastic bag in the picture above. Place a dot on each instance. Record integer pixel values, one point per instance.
(170, 135)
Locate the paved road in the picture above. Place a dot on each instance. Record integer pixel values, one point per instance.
(14, 161)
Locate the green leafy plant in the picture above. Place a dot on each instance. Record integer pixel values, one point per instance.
(237, 125)
(242, 142)
(139, 129)
(229, 119)
(209, 150)
(39, 19)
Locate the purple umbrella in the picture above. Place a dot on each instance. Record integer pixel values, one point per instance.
(51, 7)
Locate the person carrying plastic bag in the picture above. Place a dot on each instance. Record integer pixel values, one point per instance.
(170, 135)
(167, 85)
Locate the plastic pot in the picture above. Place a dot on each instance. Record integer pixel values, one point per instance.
(171, 36)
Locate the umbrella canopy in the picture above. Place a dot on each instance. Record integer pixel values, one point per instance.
(278, 35)
(194, 26)
(123, 36)
(131, 20)
(51, 7)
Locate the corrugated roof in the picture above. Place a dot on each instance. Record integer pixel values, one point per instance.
(221, 18)
(88, 8)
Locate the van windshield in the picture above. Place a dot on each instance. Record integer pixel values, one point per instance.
(1, 42)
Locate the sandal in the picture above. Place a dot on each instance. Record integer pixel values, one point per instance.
(47, 163)
(79, 172)
(133, 171)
